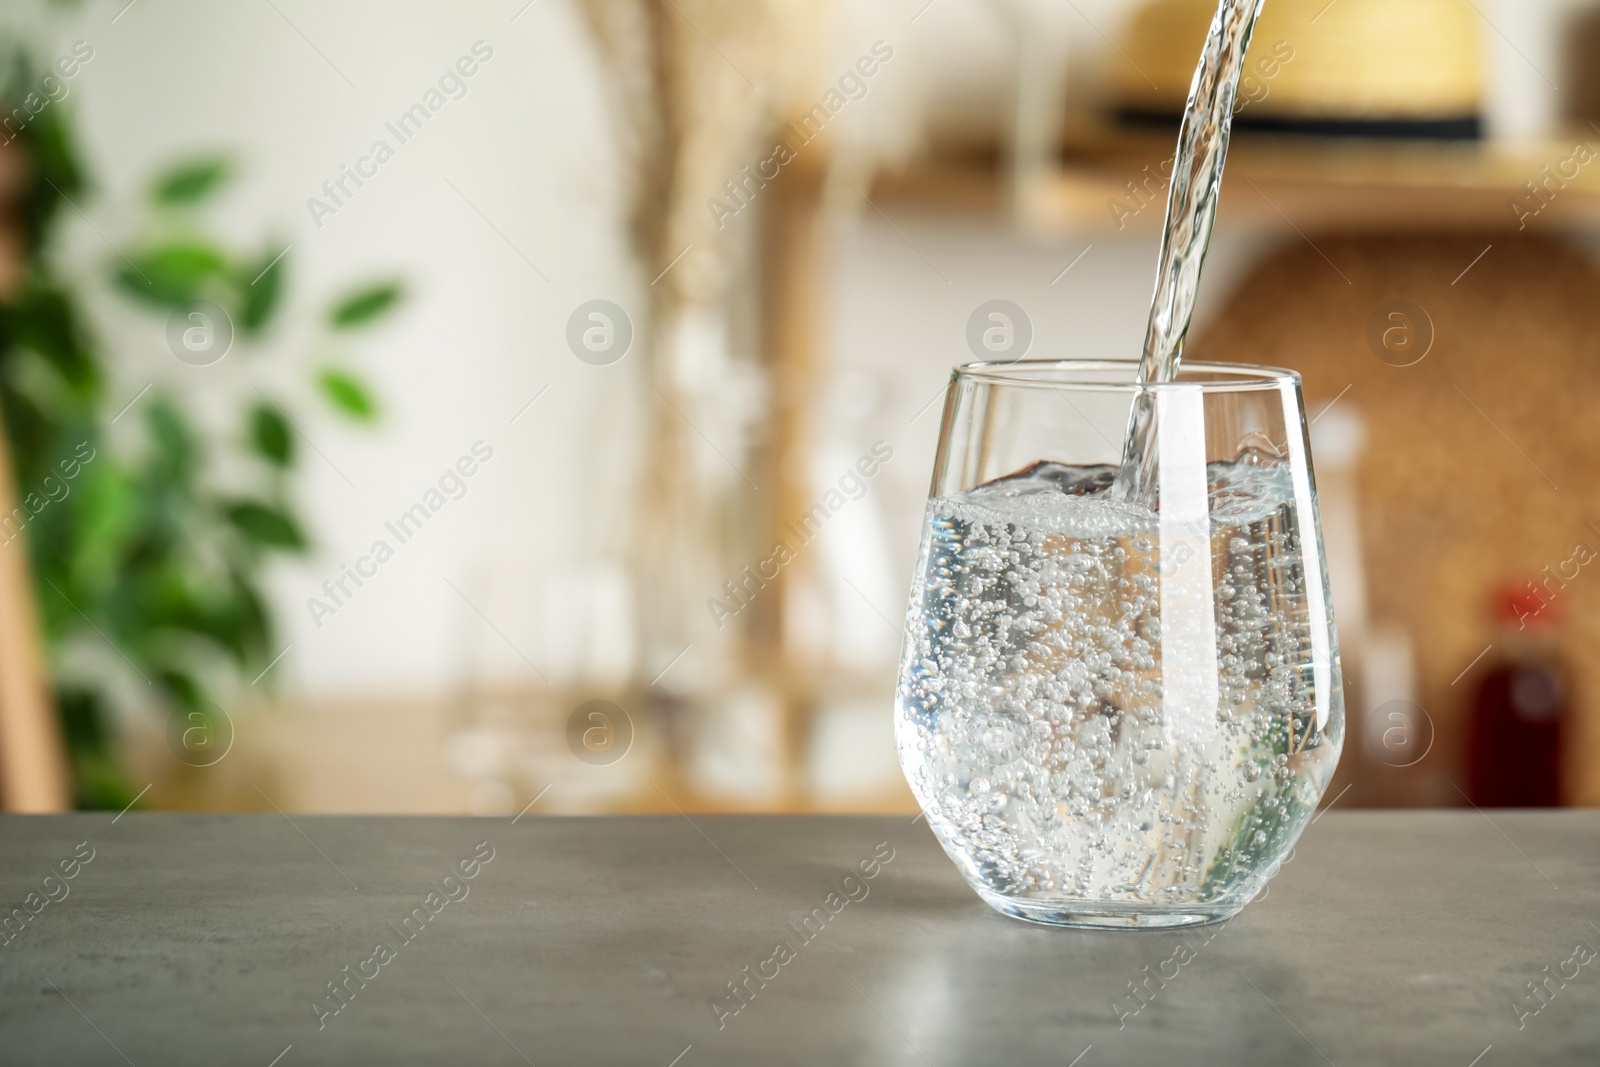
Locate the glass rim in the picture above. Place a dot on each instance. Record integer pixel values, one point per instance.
(1235, 377)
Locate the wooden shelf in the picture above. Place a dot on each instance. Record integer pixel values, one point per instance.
(1276, 183)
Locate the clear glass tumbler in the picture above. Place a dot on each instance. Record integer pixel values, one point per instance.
(1120, 712)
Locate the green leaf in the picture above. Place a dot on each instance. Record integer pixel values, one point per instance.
(47, 319)
(171, 274)
(53, 157)
(249, 627)
(191, 181)
(177, 454)
(269, 432)
(364, 305)
(107, 517)
(262, 284)
(266, 525)
(348, 395)
(98, 778)
(182, 688)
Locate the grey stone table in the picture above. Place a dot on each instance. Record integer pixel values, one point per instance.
(1388, 939)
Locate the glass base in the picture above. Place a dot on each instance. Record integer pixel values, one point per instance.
(1107, 915)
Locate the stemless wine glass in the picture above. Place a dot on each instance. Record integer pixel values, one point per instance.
(1119, 708)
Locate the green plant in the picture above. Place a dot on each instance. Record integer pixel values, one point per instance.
(147, 564)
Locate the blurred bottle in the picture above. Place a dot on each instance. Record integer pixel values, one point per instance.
(1520, 710)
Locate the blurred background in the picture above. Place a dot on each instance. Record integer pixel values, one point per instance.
(452, 408)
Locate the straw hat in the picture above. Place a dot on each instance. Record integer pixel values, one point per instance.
(1377, 67)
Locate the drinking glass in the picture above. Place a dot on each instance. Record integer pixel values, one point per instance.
(1120, 709)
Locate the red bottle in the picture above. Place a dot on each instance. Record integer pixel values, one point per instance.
(1515, 745)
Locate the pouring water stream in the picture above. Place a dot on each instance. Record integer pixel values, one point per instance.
(1191, 213)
